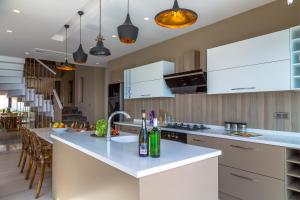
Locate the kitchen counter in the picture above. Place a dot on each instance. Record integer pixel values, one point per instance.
(269, 137)
(124, 156)
(113, 170)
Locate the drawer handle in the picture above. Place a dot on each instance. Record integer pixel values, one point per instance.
(246, 88)
(198, 140)
(146, 95)
(241, 147)
(243, 177)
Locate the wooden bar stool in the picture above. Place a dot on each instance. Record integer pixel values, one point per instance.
(26, 152)
(22, 134)
(42, 152)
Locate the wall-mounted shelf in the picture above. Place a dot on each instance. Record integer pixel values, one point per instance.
(293, 174)
(295, 56)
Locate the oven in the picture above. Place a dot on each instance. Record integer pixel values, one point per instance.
(174, 136)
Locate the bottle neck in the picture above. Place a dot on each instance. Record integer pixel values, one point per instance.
(144, 122)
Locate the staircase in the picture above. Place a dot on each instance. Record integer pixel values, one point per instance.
(72, 114)
(32, 82)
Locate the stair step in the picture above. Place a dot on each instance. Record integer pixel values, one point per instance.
(11, 66)
(11, 86)
(16, 93)
(9, 59)
(5, 72)
(10, 79)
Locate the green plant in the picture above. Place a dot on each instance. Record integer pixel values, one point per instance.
(101, 127)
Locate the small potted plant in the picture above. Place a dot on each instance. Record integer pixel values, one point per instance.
(101, 126)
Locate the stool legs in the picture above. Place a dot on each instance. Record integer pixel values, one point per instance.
(24, 162)
(21, 157)
(41, 179)
(34, 168)
(29, 169)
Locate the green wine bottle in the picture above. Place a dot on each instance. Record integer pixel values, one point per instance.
(155, 140)
(143, 138)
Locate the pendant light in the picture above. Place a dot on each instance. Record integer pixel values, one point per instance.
(80, 56)
(127, 32)
(176, 17)
(66, 66)
(100, 49)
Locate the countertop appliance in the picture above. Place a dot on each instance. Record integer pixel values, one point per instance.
(174, 136)
(186, 126)
(187, 82)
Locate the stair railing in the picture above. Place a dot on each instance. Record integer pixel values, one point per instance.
(57, 107)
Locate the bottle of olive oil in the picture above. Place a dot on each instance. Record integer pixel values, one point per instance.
(143, 138)
(155, 140)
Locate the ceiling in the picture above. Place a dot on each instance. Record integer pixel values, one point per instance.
(39, 21)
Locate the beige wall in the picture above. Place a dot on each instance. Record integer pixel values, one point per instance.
(257, 109)
(93, 98)
(65, 88)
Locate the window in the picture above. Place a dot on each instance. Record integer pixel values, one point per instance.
(3, 101)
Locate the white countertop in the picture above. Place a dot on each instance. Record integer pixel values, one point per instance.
(44, 133)
(124, 156)
(269, 137)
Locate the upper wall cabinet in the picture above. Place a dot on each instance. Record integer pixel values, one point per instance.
(147, 81)
(254, 65)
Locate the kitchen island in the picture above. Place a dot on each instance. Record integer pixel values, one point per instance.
(85, 167)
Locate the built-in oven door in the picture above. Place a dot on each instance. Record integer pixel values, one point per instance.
(174, 136)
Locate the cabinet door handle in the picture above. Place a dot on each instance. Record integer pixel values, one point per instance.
(243, 177)
(241, 147)
(245, 88)
(198, 140)
(145, 95)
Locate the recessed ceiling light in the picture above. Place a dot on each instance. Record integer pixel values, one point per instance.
(26, 53)
(9, 31)
(290, 2)
(16, 11)
(114, 36)
(97, 63)
(146, 18)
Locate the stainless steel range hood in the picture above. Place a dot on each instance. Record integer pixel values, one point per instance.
(187, 82)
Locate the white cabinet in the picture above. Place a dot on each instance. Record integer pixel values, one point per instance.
(273, 76)
(263, 49)
(147, 81)
(254, 65)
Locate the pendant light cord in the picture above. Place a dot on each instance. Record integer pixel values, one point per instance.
(80, 29)
(100, 34)
(128, 7)
(66, 58)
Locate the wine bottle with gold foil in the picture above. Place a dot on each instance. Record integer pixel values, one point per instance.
(143, 138)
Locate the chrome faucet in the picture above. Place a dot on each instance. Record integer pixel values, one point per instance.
(108, 133)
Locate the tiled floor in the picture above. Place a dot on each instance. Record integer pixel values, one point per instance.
(13, 185)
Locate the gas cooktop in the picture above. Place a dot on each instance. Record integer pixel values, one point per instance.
(186, 126)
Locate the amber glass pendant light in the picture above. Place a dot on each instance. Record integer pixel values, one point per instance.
(176, 17)
(66, 66)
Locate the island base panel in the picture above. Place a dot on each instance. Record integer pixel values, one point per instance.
(77, 175)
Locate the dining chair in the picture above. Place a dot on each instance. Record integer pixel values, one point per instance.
(42, 157)
(22, 135)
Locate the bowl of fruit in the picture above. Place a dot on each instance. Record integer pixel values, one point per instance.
(59, 127)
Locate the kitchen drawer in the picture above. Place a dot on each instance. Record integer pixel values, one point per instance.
(257, 158)
(128, 129)
(202, 141)
(223, 196)
(250, 186)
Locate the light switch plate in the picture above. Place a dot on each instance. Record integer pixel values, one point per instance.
(281, 115)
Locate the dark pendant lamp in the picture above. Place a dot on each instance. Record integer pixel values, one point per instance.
(66, 66)
(99, 49)
(176, 17)
(80, 56)
(127, 32)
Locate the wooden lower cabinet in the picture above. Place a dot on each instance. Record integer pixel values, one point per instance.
(247, 171)
(250, 186)
(128, 129)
